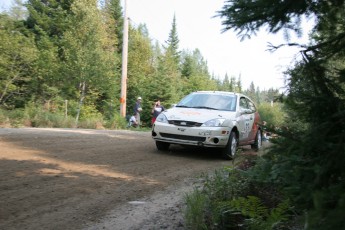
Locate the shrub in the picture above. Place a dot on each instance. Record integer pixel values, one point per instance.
(232, 198)
(273, 114)
(116, 122)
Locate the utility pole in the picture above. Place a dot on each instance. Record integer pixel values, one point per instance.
(123, 98)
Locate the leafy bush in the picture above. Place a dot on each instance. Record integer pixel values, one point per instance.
(232, 198)
(12, 118)
(4, 120)
(116, 122)
(273, 114)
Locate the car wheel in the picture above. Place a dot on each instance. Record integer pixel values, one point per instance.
(258, 141)
(162, 146)
(231, 148)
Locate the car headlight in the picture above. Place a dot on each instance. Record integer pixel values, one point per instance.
(214, 122)
(162, 118)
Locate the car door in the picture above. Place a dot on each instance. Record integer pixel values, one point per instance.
(243, 120)
(252, 121)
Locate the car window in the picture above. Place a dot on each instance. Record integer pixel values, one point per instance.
(210, 101)
(251, 106)
(243, 103)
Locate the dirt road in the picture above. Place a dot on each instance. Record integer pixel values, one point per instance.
(94, 179)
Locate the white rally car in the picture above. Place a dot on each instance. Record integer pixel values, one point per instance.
(210, 119)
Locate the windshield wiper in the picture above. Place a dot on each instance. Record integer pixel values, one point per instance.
(183, 106)
(204, 107)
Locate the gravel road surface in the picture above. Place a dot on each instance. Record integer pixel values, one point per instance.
(95, 179)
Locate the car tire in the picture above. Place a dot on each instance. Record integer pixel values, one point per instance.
(162, 146)
(231, 148)
(258, 141)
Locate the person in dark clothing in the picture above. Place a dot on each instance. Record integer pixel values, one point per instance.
(137, 110)
(156, 110)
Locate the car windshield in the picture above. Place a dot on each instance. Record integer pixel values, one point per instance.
(209, 101)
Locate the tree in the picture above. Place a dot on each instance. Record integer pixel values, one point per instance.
(307, 160)
(168, 69)
(195, 73)
(112, 14)
(48, 20)
(113, 22)
(226, 83)
(88, 65)
(18, 56)
(173, 43)
(18, 10)
(238, 85)
(52, 17)
(251, 91)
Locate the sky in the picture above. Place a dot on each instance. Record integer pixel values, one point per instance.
(224, 52)
(198, 28)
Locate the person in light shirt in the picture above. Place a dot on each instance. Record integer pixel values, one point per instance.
(133, 121)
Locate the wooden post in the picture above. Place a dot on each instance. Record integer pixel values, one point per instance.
(66, 102)
(123, 98)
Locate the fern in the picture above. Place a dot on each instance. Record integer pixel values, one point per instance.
(251, 212)
(250, 206)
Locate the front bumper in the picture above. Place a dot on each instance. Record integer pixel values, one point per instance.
(198, 136)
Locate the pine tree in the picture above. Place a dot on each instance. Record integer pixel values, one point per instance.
(195, 72)
(307, 160)
(173, 41)
(112, 13)
(48, 21)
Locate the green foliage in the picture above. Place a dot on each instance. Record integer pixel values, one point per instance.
(250, 206)
(194, 214)
(71, 50)
(12, 118)
(173, 43)
(116, 122)
(18, 55)
(235, 199)
(195, 74)
(256, 215)
(307, 159)
(247, 17)
(273, 114)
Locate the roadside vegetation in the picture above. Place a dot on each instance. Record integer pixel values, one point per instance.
(299, 183)
(60, 67)
(234, 198)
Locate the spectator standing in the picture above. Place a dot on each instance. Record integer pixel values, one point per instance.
(137, 110)
(156, 110)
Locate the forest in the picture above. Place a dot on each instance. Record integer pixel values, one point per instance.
(61, 66)
(300, 182)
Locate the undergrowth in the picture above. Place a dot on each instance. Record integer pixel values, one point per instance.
(37, 116)
(231, 198)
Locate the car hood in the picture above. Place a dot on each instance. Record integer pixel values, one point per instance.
(197, 115)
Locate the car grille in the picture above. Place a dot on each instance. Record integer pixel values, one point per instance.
(185, 123)
(183, 137)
